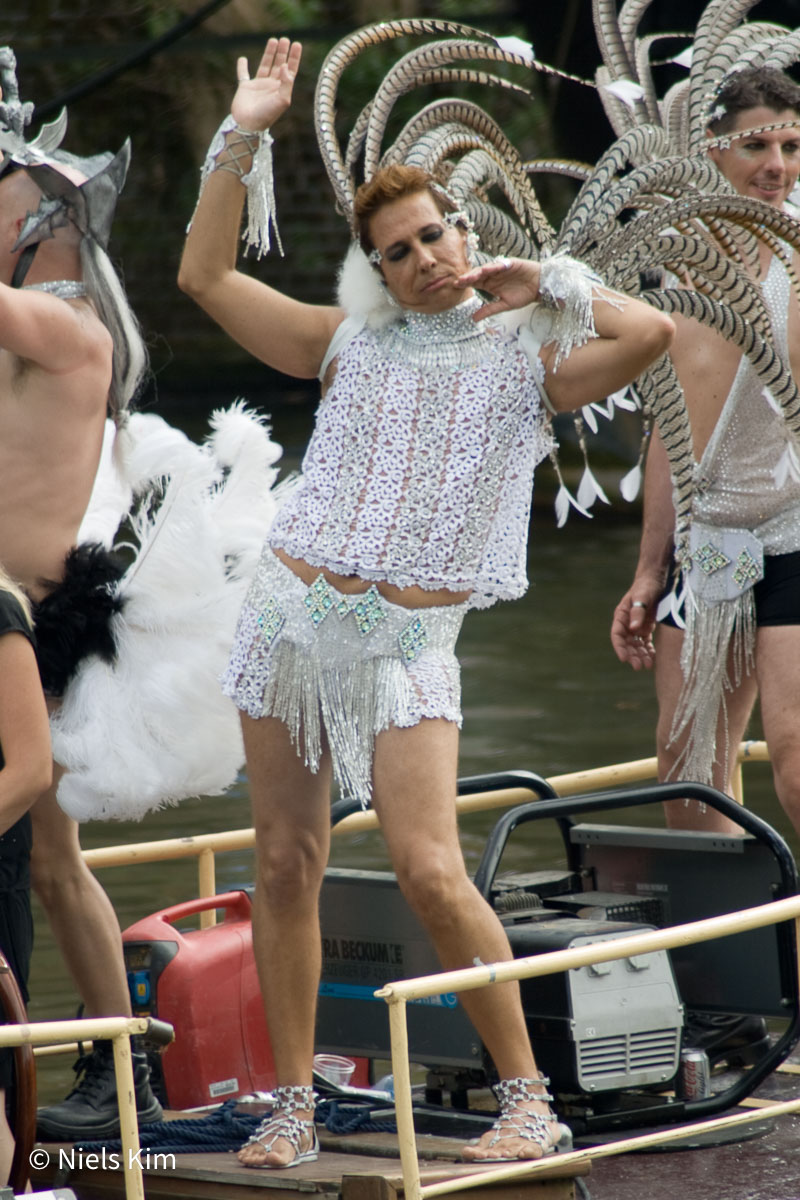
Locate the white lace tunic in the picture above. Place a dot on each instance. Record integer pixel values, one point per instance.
(420, 467)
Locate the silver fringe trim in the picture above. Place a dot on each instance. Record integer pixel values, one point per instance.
(712, 631)
(567, 288)
(351, 704)
(261, 207)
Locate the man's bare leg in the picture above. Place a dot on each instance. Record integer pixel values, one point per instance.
(291, 816)
(723, 1036)
(669, 683)
(415, 789)
(81, 916)
(778, 671)
(87, 932)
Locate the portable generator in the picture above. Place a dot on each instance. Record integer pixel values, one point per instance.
(601, 1028)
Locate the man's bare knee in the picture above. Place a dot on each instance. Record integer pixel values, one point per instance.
(433, 888)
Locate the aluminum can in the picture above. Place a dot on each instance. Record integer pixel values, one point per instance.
(694, 1075)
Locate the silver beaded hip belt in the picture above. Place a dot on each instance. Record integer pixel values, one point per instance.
(352, 665)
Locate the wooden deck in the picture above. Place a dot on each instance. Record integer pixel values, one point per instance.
(355, 1167)
(365, 1166)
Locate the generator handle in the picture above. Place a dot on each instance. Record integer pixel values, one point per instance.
(236, 904)
(561, 808)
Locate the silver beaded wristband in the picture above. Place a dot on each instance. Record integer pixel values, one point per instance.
(258, 180)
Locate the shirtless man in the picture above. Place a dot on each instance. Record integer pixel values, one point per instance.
(61, 371)
(737, 459)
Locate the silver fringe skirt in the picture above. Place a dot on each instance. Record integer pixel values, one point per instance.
(348, 665)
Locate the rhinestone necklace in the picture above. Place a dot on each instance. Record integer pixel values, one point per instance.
(65, 289)
(445, 341)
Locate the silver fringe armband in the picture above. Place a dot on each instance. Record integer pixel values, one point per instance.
(231, 149)
(567, 291)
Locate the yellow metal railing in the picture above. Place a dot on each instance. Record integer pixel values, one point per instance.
(53, 1037)
(399, 993)
(119, 1031)
(204, 847)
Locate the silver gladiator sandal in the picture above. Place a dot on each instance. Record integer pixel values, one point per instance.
(541, 1129)
(282, 1123)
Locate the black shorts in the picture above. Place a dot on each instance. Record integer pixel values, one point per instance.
(777, 595)
(16, 922)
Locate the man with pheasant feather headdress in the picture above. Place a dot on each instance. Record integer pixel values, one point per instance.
(412, 509)
(721, 581)
(128, 650)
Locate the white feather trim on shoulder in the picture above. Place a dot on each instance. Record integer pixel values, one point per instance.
(154, 728)
(360, 292)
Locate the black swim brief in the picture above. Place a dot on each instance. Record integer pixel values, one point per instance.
(777, 595)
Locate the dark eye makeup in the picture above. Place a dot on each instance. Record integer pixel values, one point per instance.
(399, 250)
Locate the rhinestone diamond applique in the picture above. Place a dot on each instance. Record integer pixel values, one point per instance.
(413, 639)
(270, 621)
(710, 559)
(747, 570)
(368, 611)
(318, 600)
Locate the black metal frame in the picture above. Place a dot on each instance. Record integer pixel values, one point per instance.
(561, 810)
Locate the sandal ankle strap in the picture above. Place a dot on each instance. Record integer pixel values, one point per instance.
(511, 1093)
(291, 1099)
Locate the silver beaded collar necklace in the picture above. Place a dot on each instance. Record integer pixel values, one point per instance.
(445, 341)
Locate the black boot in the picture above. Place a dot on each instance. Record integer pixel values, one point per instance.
(726, 1037)
(90, 1110)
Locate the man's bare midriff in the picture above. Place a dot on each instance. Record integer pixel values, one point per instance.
(353, 585)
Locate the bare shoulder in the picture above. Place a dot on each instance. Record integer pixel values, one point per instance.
(98, 339)
(47, 333)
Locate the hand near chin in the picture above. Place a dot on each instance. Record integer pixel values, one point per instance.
(513, 282)
(260, 101)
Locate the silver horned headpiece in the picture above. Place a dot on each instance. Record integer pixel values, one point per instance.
(79, 190)
(82, 192)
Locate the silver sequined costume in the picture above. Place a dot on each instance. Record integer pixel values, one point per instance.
(746, 505)
(419, 472)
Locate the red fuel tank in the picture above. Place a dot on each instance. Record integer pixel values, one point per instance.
(204, 982)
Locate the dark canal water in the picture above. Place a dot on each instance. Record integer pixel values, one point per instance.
(542, 692)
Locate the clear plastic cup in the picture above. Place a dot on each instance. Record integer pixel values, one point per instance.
(334, 1068)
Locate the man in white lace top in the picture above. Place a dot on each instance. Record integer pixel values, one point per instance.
(412, 509)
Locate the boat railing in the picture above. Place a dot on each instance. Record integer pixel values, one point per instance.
(398, 994)
(205, 847)
(117, 1030)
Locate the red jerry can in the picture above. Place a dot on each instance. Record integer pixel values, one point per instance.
(204, 982)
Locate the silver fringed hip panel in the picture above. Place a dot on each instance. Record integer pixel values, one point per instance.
(348, 665)
(719, 643)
